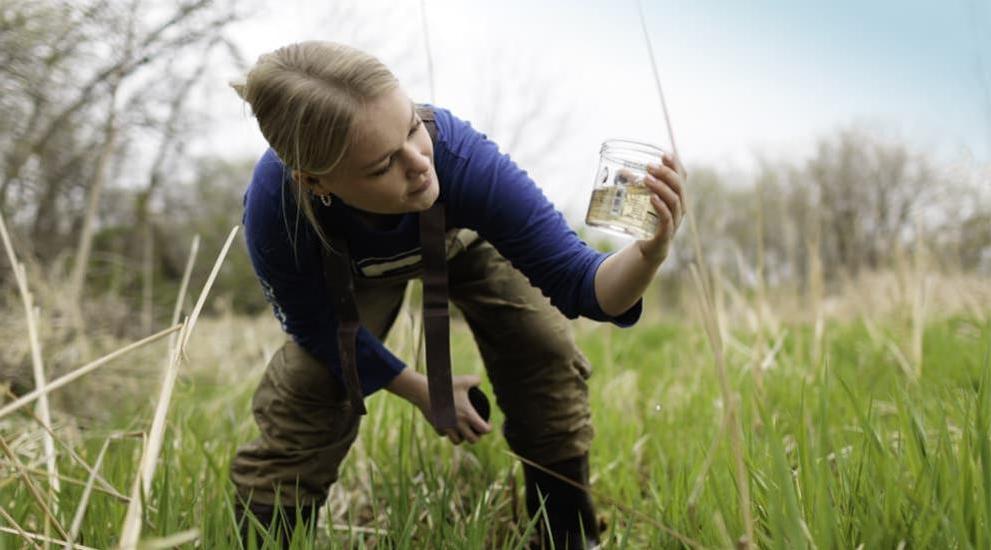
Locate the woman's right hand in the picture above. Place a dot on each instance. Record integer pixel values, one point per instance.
(471, 426)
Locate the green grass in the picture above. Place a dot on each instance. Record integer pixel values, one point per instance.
(843, 453)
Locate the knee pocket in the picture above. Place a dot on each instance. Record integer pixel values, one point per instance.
(300, 406)
(291, 426)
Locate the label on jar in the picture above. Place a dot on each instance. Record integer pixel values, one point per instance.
(625, 208)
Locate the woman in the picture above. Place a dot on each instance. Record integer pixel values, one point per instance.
(351, 155)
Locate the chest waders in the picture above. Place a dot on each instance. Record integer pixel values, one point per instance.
(569, 518)
(436, 320)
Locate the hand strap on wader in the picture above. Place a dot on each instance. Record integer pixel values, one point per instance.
(337, 271)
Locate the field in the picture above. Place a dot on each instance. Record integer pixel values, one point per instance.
(858, 430)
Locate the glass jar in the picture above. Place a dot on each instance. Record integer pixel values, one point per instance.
(620, 201)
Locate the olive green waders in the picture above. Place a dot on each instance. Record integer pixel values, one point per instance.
(538, 375)
(537, 372)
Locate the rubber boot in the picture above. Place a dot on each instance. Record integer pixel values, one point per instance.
(570, 512)
(279, 528)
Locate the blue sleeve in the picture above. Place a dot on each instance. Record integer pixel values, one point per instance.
(294, 283)
(486, 191)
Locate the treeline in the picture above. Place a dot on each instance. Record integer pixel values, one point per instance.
(97, 101)
(862, 202)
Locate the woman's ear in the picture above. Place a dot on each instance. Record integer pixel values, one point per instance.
(308, 181)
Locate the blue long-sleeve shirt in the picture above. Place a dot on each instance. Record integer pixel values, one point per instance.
(483, 189)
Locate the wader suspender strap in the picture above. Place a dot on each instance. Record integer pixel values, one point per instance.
(436, 322)
(337, 272)
(435, 317)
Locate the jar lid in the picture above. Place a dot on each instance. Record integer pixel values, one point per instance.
(629, 153)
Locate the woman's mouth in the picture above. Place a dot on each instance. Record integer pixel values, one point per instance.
(421, 188)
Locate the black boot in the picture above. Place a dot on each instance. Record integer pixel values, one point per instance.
(573, 524)
(279, 528)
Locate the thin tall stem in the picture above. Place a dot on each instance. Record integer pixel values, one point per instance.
(657, 80)
(426, 45)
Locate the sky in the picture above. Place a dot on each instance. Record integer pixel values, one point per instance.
(743, 80)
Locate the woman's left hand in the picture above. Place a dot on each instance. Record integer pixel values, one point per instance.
(667, 182)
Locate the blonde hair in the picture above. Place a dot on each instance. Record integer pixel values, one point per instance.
(305, 97)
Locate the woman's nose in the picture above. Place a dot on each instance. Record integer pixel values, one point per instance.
(417, 163)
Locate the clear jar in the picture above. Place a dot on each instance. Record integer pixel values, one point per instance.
(620, 201)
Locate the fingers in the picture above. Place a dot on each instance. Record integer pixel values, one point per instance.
(667, 182)
(476, 424)
(667, 173)
(667, 199)
(666, 202)
(464, 432)
(454, 435)
(667, 221)
(471, 426)
(467, 434)
(674, 163)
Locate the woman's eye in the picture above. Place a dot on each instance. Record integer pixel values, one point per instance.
(412, 131)
(384, 170)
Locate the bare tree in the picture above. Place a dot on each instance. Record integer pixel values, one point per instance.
(867, 191)
(59, 86)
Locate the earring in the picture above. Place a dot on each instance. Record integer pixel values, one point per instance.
(327, 199)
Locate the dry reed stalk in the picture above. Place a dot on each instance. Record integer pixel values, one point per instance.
(657, 81)
(718, 298)
(426, 45)
(720, 524)
(816, 296)
(81, 371)
(919, 301)
(44, 539)
(147, 277)
(919, 311)
(808, 534)
(415, 334)
(17, 530)
(709, 312)
(180, 299)
(171, 541)
(77, 519)
(612, 502)
(37, 365)
(32, 488)
(131, 531)
(691, 504)
(37, 472)
(773, 352)
(880, 339)
(194, 316)
(360, 529)
(107, 487)
(760, 346)
(730, 404)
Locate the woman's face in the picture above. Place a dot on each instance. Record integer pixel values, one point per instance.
(389, 167)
